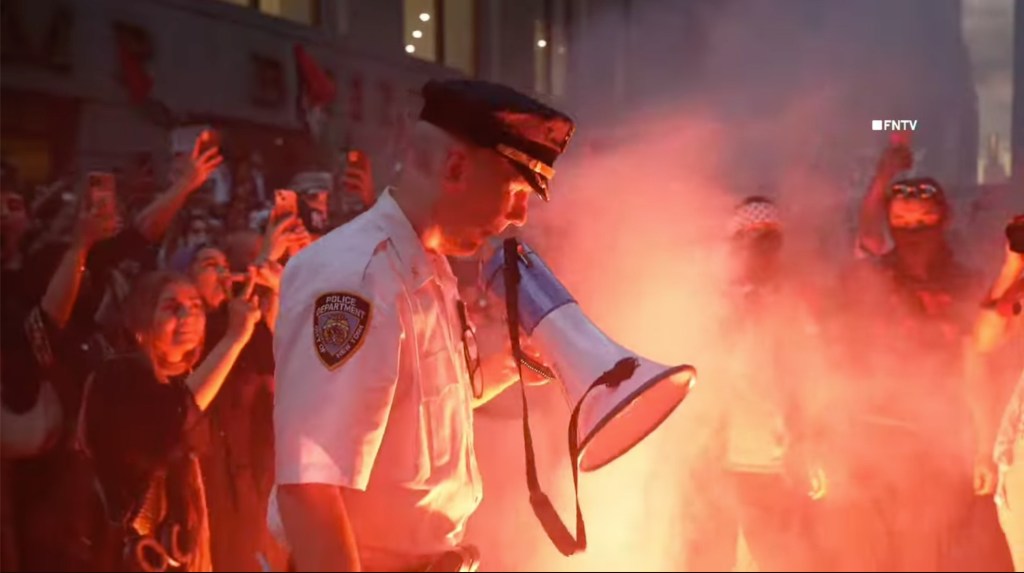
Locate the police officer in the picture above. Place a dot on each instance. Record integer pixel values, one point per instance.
(374, 409)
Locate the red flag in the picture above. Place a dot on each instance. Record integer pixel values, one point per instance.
(355, 98)
(319, 88)
(134, 74)
(387, 103)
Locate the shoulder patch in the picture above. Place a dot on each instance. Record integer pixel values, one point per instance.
(340, 321)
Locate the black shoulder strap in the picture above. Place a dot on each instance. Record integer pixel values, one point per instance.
(566, 542)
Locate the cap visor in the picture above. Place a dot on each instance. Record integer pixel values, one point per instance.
(536, 180)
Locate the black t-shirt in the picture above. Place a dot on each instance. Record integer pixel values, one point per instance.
(238, 466)
(240, 419)
(136, 427)
(900, 338)
(258, 355)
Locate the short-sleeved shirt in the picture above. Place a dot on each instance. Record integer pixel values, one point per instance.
(372, 389)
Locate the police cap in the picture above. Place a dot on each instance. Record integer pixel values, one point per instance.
(528, 133)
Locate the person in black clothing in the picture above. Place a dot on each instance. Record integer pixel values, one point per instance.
(238, 465)
(903, 314)
(37, 391)
(92, 273)
(140, 415)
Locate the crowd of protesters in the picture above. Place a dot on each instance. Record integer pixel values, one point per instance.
(137, 378)
(137, 369)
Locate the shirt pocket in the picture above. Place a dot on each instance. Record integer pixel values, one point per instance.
(442, 409)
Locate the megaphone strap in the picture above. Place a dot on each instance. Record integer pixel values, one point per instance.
(566, 543)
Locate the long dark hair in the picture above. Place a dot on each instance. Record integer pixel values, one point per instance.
(140, 306)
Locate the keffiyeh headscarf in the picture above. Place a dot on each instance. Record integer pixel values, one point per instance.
(755, 214)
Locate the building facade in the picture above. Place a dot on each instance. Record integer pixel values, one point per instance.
(794, 82)
(92, 84)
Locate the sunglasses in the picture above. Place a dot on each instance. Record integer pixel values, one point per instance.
(919, 191)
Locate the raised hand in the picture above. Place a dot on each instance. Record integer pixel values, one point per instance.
(894, 159)
(244, 310)
(269, 274)
(193, 170)
(284, 237)
(95, 225)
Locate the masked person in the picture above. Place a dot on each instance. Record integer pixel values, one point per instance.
(237, 463)
(769, 412)
(314, 189)
(904, 313)
(999, 326)
(373, 415)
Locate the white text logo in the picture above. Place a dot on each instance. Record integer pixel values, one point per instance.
(893, 124)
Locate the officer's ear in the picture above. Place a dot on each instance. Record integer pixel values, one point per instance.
(455, 169)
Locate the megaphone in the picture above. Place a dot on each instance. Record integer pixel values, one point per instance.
(615, 417)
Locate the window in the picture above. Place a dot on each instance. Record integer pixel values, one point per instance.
(420, 34)
(301, 11)
(442, 31)
(460, 35)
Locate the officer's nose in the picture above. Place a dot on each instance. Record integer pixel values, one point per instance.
(516, 214)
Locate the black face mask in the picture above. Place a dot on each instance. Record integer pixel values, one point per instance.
(760, 253)
(918, 238)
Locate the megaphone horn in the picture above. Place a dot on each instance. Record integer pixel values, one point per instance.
(627, 397)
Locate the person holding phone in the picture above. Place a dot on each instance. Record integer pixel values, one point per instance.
(370, 353)
(238, 463)
(896, 158)
(314, 189)
(355, 184)
(140, 417)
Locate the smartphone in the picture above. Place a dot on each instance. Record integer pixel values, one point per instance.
(212, 140)
(237, 287)
(101, 192)
(183, 139)
(286, 204)
(357, 160)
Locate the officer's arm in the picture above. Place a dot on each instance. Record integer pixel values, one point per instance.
(318, 528)
(336, 368)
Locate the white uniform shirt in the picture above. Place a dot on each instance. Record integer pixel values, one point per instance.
(372, 390)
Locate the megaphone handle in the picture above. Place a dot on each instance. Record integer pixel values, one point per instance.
(565, 542)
